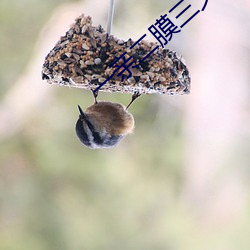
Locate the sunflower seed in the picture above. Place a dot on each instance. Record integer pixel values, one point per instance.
(69, 60)
(78, 70)
(95, 76)
(68, 54)
(77, 29)
(61, 62)
(150, 74)
(85, 46)
(101, 79)
(88, 62)
(77, 57)
(77, 79)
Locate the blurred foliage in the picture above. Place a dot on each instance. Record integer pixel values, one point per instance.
(56, 194)
(20, 23)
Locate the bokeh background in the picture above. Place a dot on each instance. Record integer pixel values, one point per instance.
(180, 182)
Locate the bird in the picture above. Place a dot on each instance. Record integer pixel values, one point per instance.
(104, 124)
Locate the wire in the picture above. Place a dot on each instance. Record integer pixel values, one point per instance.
(110, 16)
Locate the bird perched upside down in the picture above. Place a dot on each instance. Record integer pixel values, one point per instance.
(104, 124)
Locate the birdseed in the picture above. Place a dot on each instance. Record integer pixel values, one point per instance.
(82, 58)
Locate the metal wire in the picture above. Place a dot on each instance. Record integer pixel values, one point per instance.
(110, 16)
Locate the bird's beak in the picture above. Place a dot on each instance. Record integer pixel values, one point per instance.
(82, 115)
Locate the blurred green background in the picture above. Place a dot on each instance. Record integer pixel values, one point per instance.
(181, 181)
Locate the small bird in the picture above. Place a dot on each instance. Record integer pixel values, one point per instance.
(104, 124)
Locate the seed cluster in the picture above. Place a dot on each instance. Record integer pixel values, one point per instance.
(82, 58)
